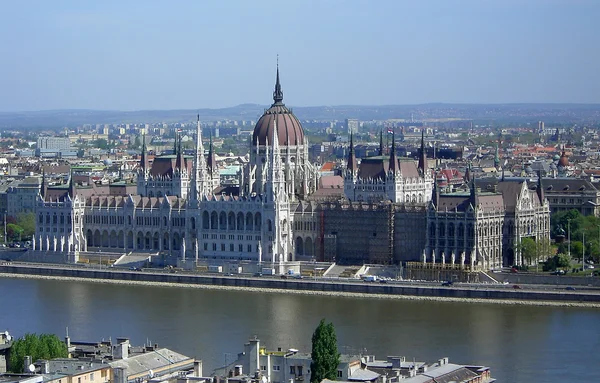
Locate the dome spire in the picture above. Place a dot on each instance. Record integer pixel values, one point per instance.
(278, 93)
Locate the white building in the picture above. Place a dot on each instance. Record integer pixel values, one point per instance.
(176, 211)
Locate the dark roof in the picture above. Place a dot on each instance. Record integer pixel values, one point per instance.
(164, 166)
(458, 201)
(567, 185)
(289, 129)
(373, 168)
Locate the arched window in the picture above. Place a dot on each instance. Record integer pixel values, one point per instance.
(205, 221)
(222, 221)
(240, 221)
(257, 221)
(214, 220)
(249, 222)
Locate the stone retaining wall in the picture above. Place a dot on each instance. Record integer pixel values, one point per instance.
(359, 288)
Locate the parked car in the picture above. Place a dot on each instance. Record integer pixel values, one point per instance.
(570, 288)
(516, 287)
(447, 283)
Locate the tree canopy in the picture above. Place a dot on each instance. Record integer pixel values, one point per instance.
(325, 355)
(575, 226)
(43, 346)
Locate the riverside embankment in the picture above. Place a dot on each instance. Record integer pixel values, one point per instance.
(306, 286)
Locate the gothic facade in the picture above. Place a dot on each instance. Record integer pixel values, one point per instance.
(382, 178)
(176, 212)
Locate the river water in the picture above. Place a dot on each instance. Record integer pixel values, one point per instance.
(519, 343)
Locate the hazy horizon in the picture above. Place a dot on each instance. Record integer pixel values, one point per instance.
(137, 56)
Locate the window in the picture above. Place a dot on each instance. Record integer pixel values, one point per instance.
(222, 247)
(300, 370)
(249, 248)
(275, 368)
(92, 377)
(231, 247)
(339, 373)
(292, 370)
(263, 368)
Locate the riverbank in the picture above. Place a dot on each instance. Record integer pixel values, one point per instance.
(258, 285)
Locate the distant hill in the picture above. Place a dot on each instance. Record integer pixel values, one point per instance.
(480, 113)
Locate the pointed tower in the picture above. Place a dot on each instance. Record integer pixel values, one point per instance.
(436, 192)
(277, 93)
(143, 158)
(381, 143)
(211, 164)
(179, 160)
(468, 173)
(497, 159)
(423, 154)
(393, 165)
(72, 190)
(275, 177)
(352, 166)
(474, 194)
(540, 188)
(201, 176)
(43, 186)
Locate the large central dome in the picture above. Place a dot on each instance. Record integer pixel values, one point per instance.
(289, 129)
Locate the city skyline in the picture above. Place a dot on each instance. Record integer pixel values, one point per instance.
(145, 56)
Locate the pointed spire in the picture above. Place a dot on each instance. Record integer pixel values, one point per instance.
(393, 160)
(381, 143)
(351, 156)
(474, 194)
(496, 158)
(72, 190)
(423, 154)
(211, 163)
(43, 186)
(436, 191)
(540, 188)
(143, 162)
(179, 161)
(468, 173)
(278, 93)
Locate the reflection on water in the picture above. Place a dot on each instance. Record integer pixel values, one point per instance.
(519, 343)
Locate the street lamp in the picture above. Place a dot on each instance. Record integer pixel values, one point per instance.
(569, 237)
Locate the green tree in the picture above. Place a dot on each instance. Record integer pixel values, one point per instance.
(528, 250)
(44, 346)
(27, 223)
(325, 355)
(13, 231)
(576, 250)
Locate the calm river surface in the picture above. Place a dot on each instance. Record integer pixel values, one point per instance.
(519, 343)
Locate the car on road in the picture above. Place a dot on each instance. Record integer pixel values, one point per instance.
(447, 283)
(516, 287)
(558, 272)
(570, 288)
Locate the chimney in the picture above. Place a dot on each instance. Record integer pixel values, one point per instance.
(238, 370)
(197, 368)
(45, 367)
(119, 375)
(395, 360)
(121, 350)
(253, 352)
(26, 364)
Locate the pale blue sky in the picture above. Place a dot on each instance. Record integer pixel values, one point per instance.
(130, 55)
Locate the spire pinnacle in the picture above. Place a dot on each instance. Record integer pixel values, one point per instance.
(423, 154)
(278, 93)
